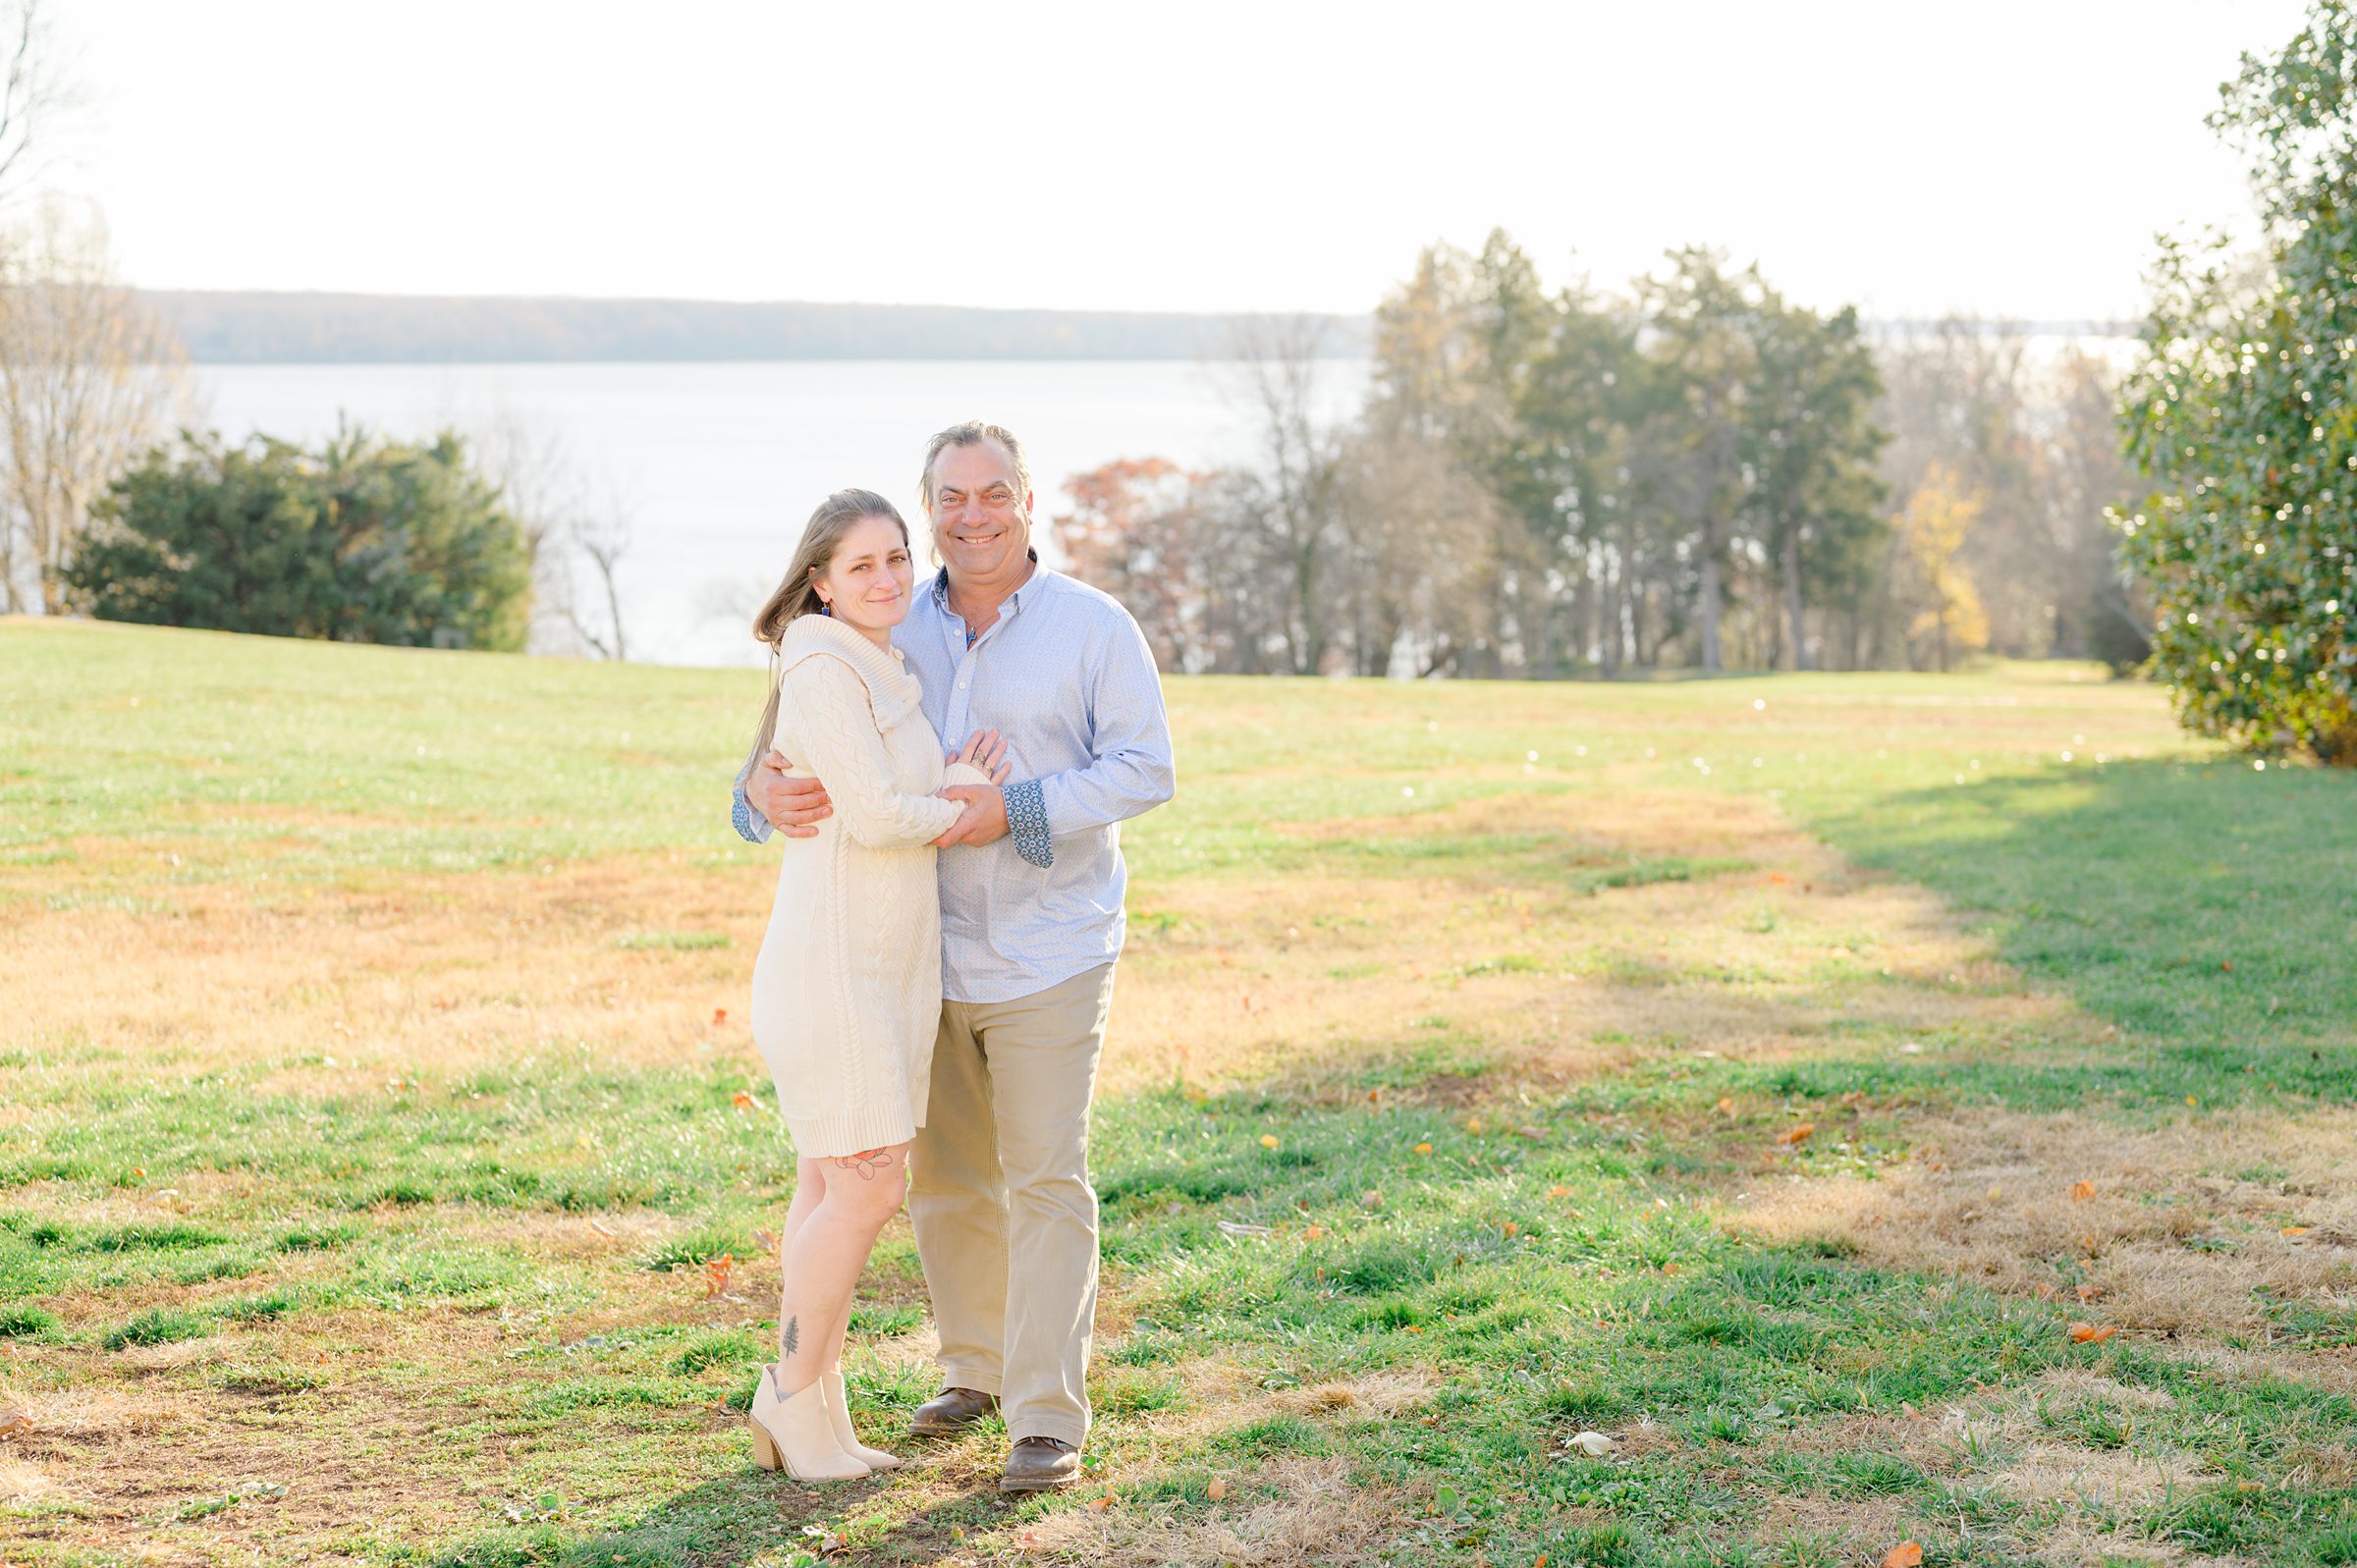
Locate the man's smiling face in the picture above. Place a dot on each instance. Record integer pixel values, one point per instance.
(981, 524)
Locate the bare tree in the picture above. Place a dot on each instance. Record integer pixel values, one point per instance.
(576, 529)
(1280, 364)
(602, 533)
(89, 375)
(33, 89)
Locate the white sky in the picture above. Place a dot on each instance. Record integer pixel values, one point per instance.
(2008, 157)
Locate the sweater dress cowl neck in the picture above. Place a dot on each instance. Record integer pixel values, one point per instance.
(847, 991)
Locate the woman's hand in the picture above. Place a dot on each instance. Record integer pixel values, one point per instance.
(985, 751)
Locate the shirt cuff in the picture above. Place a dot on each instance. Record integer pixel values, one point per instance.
(1028, 823)
(750, 826)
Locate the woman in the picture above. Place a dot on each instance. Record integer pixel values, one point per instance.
(847, 992)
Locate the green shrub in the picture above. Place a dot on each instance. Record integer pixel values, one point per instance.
(366, 540)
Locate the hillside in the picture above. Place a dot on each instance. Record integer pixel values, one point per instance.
(1761, 1120)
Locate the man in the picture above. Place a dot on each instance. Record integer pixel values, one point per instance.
(1032, 918)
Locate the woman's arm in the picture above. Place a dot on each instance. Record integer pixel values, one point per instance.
(836, 733)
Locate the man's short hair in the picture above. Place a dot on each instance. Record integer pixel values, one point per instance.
(972, 433)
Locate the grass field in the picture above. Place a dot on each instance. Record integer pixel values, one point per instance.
(1766, 1073)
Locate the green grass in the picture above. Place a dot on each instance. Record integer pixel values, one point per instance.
(2195, 903)
(1449, 1264)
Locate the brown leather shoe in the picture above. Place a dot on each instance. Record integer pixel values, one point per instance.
(1040, 1464)
(951, 1411)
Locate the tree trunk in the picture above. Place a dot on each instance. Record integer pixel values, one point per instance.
(1709, 608)
(1792, 603)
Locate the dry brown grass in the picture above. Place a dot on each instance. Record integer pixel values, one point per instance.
(421, 974)
(1289, 1511)
(2019, 1441)
(2173, 1230)
(1757, 963)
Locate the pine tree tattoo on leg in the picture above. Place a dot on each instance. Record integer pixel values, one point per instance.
(793, 1336)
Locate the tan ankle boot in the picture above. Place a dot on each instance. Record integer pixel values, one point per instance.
(794, 1432)
(839, 1417)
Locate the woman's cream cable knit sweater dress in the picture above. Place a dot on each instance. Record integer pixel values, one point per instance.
(847, 992)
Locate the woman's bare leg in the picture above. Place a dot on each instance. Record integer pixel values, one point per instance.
(821, 1267)
(809, 1190)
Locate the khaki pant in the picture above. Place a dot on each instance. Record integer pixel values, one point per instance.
(999, 1176)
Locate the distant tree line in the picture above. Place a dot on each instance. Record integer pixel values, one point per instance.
(254, 328)
(1694, 473)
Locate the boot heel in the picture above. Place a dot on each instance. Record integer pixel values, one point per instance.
(765, 1448)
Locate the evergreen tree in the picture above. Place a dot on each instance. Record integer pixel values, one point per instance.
(2243, 417)
(363, 541)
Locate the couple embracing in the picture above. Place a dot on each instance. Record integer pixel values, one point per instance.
(932, 992)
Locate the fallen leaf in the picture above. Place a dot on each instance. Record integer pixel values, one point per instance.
(766, 1240)
(720, 1015)
(2087, 1292)
(741, 1101)
(1559, 1192)
(2081, 1191)
(1217, 1489)
(1509, 1227)
(1907, 1554)
(1267, 1140)
(2045, 1292)
(13, 1422)
(1854, 1098)
(1423, 1147)
(1473, 1124)
(1726, 1104)
(2293, 1230)
(716, 1273)
(1796, 1135)
(2087, 1333)
(1313, 1233)
(1595, 1445)
(2193, 1100)
(1097, 1505)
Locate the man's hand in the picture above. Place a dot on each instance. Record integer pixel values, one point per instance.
(794, 806)
(984, 819)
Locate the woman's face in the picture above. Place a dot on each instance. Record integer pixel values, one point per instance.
(868, 582)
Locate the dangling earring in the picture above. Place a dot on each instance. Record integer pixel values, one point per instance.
(826, 608)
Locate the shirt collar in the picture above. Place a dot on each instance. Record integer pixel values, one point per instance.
(939, 585)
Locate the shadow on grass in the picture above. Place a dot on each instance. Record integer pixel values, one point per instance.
(2208, 909)
(740, 1518)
